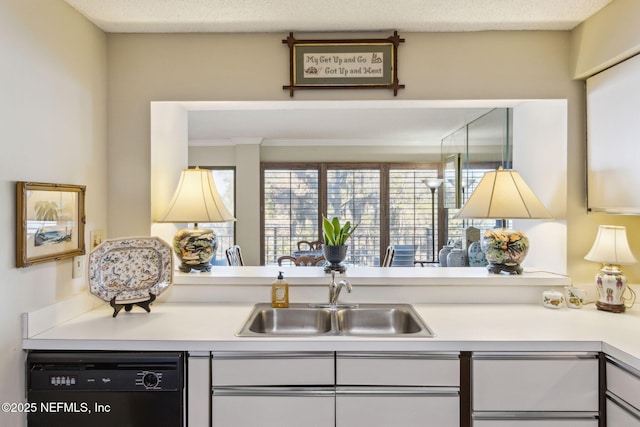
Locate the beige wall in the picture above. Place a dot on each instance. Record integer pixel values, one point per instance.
(220, 67)
(608, 37)
(53, 121)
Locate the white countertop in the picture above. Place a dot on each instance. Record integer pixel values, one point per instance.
(458, 327)
(260, 275)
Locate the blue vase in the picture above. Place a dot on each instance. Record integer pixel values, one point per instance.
(442, 255)
(457, 258)
(476, 255)
(335, 255)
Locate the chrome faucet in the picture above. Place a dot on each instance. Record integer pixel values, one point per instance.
(335, 288)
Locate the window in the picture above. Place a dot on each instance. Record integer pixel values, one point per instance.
(354, 195)
(290, 210)
(225, 179)
(390, 202)
(410, 211)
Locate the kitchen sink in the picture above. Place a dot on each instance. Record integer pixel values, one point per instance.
(378, 321)
(290, 321)
(374, 320)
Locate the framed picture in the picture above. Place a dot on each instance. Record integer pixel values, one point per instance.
(336, 64)
(50, 222)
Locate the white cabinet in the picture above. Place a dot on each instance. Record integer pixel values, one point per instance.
(397, 389)
(621, 416)
(623, 395)
(535, 389)
(198, 388)
(272, 368)
(273, 407)
(273, 389)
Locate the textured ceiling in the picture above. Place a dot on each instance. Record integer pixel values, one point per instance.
(334, 15)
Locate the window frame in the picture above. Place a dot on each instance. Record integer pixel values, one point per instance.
(383, 167)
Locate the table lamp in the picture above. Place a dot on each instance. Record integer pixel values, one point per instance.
(196, 200)
(503, 194)
(611, 249)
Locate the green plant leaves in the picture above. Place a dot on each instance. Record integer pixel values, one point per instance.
(334, 234)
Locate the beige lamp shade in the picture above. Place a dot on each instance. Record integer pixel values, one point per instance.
(196, 200)
(611, 246)
(503, 194)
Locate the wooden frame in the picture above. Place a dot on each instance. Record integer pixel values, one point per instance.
(340, 64)
(322, 169)
(50, 222)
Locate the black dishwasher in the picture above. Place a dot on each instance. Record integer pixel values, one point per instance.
(105, 389)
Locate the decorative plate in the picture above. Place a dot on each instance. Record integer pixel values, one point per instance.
(130, 269)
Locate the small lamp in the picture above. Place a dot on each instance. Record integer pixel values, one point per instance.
(433, 184)
(503, 194)
(196, 200)
(611, 249)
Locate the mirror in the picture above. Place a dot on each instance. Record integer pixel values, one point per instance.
(536, 129)
(480, 145)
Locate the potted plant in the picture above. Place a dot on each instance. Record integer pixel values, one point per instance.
(335, 237)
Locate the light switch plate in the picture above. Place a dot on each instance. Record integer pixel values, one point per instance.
(78, 267)
(96, 237)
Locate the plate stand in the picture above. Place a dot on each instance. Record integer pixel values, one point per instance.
(127, 307)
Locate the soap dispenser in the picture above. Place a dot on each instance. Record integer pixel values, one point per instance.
(280, 292)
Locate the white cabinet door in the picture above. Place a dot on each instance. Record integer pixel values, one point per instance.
(272, 368)
(398, 369)
(397, 389)
(395, 406)
(535, 382)
(198, 389)
(623, 382)
(617, 416)
(273, 407)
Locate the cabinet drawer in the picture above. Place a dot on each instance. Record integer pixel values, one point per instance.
(402, 369)
(620, 414)
(535, 382)
(273, 408)
(384, 407)
(273, 369)
(623, 383)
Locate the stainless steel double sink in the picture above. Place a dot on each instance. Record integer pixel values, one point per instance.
(383, 320)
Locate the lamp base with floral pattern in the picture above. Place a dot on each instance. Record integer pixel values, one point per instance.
(505, 249)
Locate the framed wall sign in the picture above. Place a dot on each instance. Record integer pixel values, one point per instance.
(338, 64)
(50, 222)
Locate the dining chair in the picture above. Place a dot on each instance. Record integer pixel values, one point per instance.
(303, 260)
(234, 256)
(310, 246)
(388, 256)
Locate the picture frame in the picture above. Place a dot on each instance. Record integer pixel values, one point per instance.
(343, 64)
(50, 222)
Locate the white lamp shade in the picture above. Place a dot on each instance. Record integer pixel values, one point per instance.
(196, 200)
(503, 194)
(433, 183)
(611, 246)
